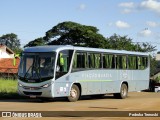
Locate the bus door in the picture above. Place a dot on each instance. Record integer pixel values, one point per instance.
(61, 85)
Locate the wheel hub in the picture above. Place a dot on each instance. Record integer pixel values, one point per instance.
(73, 93)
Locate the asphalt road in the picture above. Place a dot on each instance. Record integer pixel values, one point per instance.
(136, 101)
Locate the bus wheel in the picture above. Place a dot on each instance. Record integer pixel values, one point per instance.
(123, 92)
(74, 94)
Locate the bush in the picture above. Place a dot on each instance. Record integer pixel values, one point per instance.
(8, 88)
(158, 79)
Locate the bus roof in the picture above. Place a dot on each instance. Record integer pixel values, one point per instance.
(48, 48)
(56, 48)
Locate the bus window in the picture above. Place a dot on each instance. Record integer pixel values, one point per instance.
(97, 60)
(108, 61)
(145, 61)
(94, 60)
(63, 62)
(121, 62)
(142, 62)
(29, 62)
(80, 60)
(132, 62)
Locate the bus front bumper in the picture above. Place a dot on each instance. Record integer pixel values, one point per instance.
(35, 91)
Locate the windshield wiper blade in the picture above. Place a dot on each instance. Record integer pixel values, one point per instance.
(27, 72)
(37, 73)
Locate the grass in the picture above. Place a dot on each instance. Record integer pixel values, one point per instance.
(8, 88)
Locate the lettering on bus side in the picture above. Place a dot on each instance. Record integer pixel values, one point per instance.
(97, 75)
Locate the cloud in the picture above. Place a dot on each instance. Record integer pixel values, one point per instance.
(152, 5)
(121, 24)
(145, 33)
(127, 5)
(152, 24)
(82, 7)
(130, 7)
(126, 11)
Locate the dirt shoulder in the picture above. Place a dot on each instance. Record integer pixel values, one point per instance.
(136, 101)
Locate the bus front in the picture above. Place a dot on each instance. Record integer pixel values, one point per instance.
(36, 74)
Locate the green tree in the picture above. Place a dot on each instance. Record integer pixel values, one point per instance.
(118, 42)
(153, 65)
(36, 42)
(145, 47)
(11, 40)
(71, 33)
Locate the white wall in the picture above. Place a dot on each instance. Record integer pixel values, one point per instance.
(3, 54)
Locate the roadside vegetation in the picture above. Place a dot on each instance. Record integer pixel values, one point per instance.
(8, 88)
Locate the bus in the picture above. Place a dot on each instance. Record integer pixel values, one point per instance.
(72, 72)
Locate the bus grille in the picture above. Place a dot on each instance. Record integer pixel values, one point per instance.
(31, 88)
(32, 93)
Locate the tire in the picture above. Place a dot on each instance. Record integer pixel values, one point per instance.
(123, 92)
(74, 94)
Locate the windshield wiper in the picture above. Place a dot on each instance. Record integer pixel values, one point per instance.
(37, 73)
(36, 69)
(27, 72)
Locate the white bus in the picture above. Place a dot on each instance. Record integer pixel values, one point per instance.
(69, 71)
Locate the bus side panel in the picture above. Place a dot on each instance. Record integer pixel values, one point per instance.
(109, 82)
(94, 81)
(129, 77)
(62, 86)
(101, 81)
(141, 78)
(89, 83)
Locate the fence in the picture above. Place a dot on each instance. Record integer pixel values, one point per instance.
(9, 73)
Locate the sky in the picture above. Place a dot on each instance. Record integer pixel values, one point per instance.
(30, 19)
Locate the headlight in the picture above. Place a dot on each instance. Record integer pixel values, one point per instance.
(45, 86)
(20, 85)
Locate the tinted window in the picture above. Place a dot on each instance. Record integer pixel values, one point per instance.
(63, 62)
(94, 60)
(132, 62)
(80, 60)
(121, 62)
(142, 62)
(108, 61)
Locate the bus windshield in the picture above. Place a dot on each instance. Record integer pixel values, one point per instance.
(37, 66)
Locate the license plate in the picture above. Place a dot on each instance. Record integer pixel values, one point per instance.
(32, 96)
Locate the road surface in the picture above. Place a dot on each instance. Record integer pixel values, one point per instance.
(136, 101)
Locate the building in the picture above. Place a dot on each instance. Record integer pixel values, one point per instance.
(7, 67)
(6, 52)
(158, 59)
